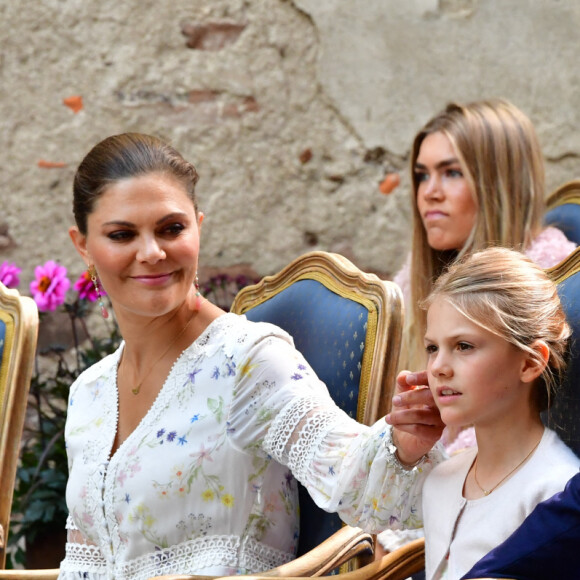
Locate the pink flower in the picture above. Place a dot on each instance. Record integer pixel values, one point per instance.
(9, 274)
(50, 286)
(86, 288)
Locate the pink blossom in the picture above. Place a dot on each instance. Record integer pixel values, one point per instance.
(50, 286)
(86, 288)
(9, 274)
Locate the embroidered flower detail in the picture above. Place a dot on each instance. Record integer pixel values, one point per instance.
(50, 286)
(9, 274)
(182, 440)
(228, 500)
(202, 454)
(192, 375)
(208, 495)
(296, 377)
(171, 436)
(247, 368)
(194, 418)
(160, 433)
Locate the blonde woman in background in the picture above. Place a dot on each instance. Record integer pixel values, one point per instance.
(478, 180)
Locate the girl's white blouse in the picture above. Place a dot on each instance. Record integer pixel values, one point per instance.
(205, 484)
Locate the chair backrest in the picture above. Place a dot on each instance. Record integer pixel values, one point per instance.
(563, 210)
(563, 416)
(348, 325)
(18, 333)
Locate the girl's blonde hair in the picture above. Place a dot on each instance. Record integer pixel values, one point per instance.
(504, 292)
(500, 157)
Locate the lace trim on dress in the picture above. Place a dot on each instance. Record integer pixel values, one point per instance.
(187, 558)
(85, 557)
(298, 431)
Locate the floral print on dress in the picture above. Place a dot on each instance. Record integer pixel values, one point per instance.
(195, 489)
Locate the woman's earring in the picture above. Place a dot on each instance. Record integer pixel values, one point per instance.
(198, 295)
(93, 275)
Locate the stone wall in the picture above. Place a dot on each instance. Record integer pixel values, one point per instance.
(292, 111)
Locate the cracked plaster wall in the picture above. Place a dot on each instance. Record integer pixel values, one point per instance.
(292, 112)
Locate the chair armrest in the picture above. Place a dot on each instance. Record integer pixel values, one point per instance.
(336, 550)
(49, 574)
(397, 565)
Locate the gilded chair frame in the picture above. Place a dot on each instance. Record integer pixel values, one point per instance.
(383, 301)
(566, 268)
(19, 329)
(563, 210)
(567, 193)
(397, 565)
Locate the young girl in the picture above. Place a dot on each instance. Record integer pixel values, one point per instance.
(496, 343)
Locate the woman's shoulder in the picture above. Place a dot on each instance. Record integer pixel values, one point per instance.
(550, 247)
(557, 453)
(235, 331)
(97, 371)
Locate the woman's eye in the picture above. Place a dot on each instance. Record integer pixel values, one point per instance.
(421, 176)
(431, 348)
(464, 346)
(120, 235)
(454, 173)
(173, 229)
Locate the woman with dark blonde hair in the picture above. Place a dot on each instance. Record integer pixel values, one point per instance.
(478, 180)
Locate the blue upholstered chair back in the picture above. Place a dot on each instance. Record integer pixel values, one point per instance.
(333, 345)
(563, 210)
(565, 411)
(328, 329)
(340, 329)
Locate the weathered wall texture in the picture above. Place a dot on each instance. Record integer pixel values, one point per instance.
(291, 111)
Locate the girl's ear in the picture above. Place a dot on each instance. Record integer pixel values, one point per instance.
(80, 243)
(533, 367)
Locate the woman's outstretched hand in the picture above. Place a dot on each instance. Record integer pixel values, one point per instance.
(415, 418)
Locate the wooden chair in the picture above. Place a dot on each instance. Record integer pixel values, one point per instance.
(397, 565)
(563, 210)
(18, 333)
(348, 325)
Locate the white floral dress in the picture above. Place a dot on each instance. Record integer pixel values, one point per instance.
(205, 484)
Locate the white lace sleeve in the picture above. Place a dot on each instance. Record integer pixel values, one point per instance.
(346, 467)
(82, 558)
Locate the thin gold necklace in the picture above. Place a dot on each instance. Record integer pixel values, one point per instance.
(488, 491)
(137, 389)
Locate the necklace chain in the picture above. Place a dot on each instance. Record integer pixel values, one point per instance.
(488, 491)
(136, 390)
